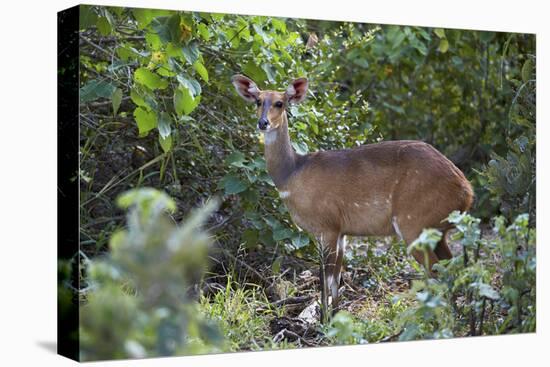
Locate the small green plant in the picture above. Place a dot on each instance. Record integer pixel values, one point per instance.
(472, 293)
(241, 314)
(138, 304)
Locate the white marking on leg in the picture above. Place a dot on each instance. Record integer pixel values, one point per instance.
(396, 227)
(330, 280)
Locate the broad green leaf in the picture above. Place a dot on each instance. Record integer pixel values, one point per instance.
(443, 45)
(203, 31)
(235, 159)
(165, 122)
(116, 99)
(153, 41)
(201, 70)
(192, 85)
(281, 234)
(279, 24)
(485, 290)
(232, 184)
(138, 99)
(300, 147)
(299, 240)
(168, 28)
(255, 72)
(145, 16)
(265, 37)
(103, 26)
(269, 72)
(149, 79)
(95, 89)
(439, 32)
(191, 52)
(165, 143)
(88, 17)
(146, 120)
(184, 103)
(421, 48)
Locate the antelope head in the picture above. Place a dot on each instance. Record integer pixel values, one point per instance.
(271, 105)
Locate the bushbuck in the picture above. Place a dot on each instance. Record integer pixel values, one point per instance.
(387, 188)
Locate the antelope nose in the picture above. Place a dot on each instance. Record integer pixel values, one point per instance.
(263, 123)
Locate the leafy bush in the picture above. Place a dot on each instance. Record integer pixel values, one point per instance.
(488, 289)
(137, 304)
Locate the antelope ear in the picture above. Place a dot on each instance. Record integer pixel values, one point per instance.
(246, 88)
(296, 91)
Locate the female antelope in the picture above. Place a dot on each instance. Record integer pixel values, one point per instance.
(388, 188)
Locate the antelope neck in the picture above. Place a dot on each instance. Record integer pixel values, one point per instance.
(280, 158)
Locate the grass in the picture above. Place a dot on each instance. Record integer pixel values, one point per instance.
(243, 314)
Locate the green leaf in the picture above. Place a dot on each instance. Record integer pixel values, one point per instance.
(146, 120)
(486, 36)
(235, 159)
(278, 24)
(165, 143)
(149, 79)
(192, 85)
(255, 72)
(269, 72)
(421, 48)
(250, 237)
(485, 290)
(201, 70)
(276, 266)
(191, 52)
(103, 26)
(145, 16)
(299, 240)
(439, 32)
(203, 31)
(443, 45)
(300, 147)
(95, 89)
(168, 28)
(153, 41)
(281, 234)
(265, 37)
(88, 17)
(146, 197)
(138, 99)
(184, 103)
(232, 184)
(116, 99)
(164, 125)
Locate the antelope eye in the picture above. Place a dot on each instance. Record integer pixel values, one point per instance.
(278, 104)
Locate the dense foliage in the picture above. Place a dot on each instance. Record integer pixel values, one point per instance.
(158, 109)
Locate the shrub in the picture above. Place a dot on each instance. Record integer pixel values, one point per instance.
(138, 304)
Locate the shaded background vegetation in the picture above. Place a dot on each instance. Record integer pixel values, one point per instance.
(158, 110)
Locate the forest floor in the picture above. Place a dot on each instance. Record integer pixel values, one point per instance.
(377, 271)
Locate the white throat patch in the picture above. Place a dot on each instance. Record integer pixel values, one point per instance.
(270, 137)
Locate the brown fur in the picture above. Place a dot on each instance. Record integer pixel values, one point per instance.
(372, 190)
